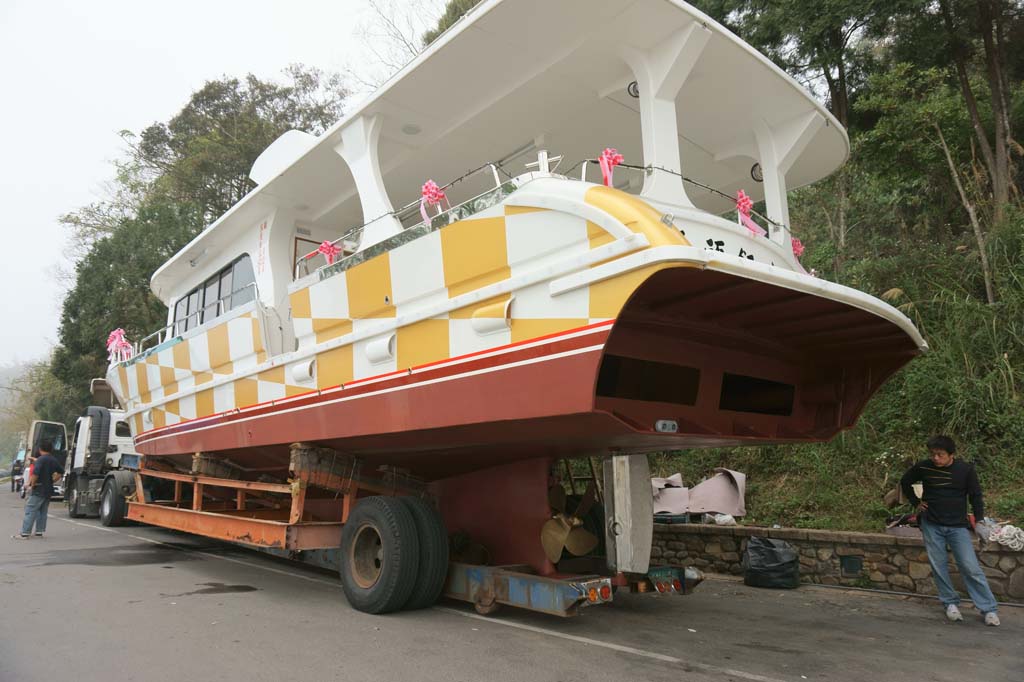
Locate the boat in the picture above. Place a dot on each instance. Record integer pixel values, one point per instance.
(588, 281)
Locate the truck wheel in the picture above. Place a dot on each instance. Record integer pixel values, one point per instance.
(75, 500)
(433, 564)
(379, 555)
(112, 504)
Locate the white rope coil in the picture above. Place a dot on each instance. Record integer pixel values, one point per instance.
(1009, 536)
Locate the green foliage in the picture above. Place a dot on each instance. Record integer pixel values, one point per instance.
(453, 11)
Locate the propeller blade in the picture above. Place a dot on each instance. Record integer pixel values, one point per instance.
(553, 537)
(589, 498)
(556, 498)
(580, 541)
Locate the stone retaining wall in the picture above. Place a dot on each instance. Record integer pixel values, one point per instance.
(888, 562)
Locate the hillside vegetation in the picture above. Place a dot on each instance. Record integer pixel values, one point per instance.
(926, 215)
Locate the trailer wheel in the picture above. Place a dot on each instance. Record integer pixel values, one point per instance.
(75, 500)
(112, 504)
(379, 555)
(433, 564)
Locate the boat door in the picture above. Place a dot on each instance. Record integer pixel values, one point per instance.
(56, 432)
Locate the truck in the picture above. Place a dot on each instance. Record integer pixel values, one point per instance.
(99, 475)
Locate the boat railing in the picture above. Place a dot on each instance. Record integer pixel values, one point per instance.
(347, 243)
(776, 231)
(223, 305)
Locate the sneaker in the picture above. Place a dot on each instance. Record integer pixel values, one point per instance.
(953, 613)
(992, 618)
(39, 535)
(19, 537)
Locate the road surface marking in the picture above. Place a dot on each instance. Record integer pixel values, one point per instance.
(487, 619)
(614, 647)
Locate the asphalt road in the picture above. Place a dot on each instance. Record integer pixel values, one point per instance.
(143, 604)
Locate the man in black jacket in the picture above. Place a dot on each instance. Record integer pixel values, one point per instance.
(942, 514)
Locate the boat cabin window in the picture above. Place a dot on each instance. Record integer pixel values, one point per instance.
(634, 379)
(224, 291)
(759, 396)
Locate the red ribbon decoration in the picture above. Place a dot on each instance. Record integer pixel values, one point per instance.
(609, 159)
(743, 206)
(329, 250)
(430, 195)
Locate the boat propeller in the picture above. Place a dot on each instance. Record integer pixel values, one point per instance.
(564, 531)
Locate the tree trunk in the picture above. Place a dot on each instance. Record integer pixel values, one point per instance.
(979, 236)
(959, 50)
(988, 21)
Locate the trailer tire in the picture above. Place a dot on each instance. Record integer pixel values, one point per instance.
(74, 496)
(112, 504)
(379, 555)
(433, 563)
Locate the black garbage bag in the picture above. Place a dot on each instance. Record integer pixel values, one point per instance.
(770, 563)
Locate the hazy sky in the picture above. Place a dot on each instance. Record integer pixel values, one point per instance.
(76, 73)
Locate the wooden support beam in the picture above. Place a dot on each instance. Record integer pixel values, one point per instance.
(197, 497)
(283, 488)
(298, 501)
(240, 499)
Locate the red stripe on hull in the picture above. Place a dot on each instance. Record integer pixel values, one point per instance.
(540, 382)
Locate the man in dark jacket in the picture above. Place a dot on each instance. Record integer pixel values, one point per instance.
(45, 472)
(948, 483)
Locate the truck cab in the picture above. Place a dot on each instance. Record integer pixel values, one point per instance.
(98, 475)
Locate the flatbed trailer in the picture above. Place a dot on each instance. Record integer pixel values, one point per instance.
(289, 520)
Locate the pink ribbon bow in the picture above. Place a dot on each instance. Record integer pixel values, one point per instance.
(118, 346)
(609, 159)
(743, 206)
(329, 250)
(798, 250)
(798, 247)
(431, 195)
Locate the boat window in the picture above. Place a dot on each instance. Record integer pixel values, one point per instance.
(211, 298)
(243, 279)
(228, 289)
(122, 430)
(760, 396)
(634, 379)
(193, 309)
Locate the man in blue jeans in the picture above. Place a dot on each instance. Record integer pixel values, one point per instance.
(46, 471)
(948, 483)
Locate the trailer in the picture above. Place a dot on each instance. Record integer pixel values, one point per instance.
(333, 514)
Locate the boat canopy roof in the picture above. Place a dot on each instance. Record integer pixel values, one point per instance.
(513, 76)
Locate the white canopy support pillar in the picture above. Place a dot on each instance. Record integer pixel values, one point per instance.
(778, 148)
(660, 74)
(358, 147)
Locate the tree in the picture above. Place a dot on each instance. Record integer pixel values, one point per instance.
(973, 36)
(917, 108)
(453, 11)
